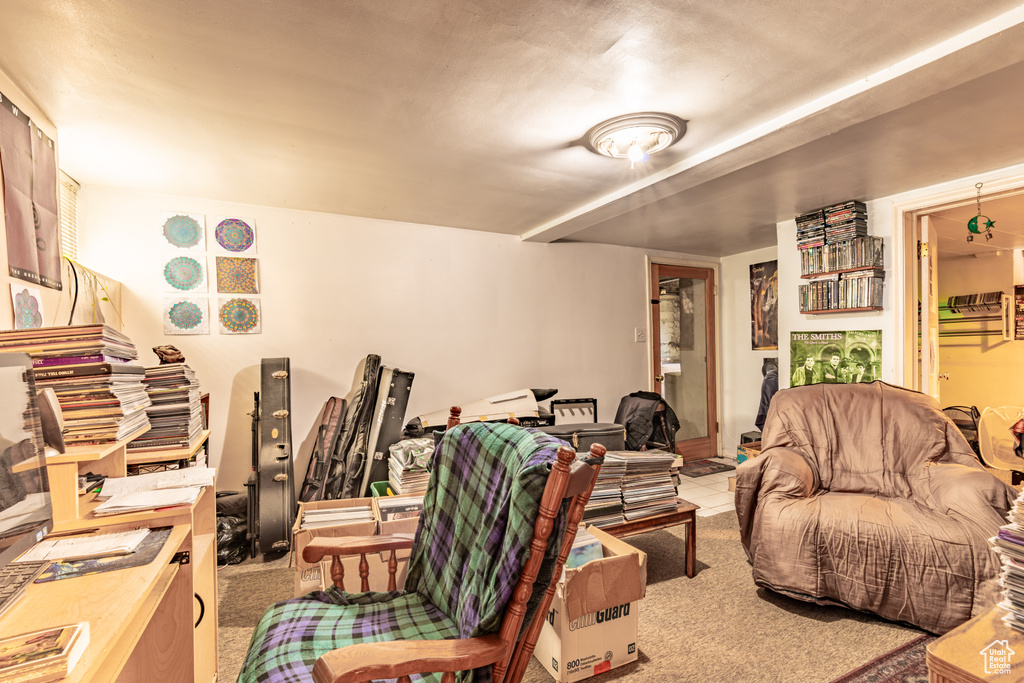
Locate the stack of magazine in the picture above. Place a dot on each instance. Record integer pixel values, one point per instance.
(647, 487)
(89, 368)
(1009, 543)
(175, 413)
(605, 505)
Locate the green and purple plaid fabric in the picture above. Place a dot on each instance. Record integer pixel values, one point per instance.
(473, 540)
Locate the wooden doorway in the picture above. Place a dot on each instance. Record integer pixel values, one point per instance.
(683, 351)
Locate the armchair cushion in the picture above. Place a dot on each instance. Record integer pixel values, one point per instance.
(292, 635)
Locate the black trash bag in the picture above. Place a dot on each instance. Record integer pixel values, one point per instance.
(650, 422)
(232, 545)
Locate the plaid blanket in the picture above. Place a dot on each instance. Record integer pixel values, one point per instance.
(472, 542)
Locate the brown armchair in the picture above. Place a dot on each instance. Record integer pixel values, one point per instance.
(866, 495)
(488, 551)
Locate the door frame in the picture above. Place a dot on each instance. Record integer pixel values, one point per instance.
(906, 234)
(709, 446)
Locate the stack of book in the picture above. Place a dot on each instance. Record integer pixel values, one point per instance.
(647, 487)
(605, 505)
(89, 368)
(810, 229)
(407, 466)
(43, 656)
(862, 289)
(316, 519)
(175, 413)
(845, 221)
(1009, 544)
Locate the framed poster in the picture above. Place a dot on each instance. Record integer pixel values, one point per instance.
(764, 306)
(835, 357)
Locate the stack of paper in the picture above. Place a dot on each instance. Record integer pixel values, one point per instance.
(151, 491)
(647, 487)
(175, 413)
(1009, 543)
(315, 519)
(86, 547)
(89, 368)
(605, 505)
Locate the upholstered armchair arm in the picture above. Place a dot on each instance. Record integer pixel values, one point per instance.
(395, 659)
(968, 491)
(777, 470)
(338, 547)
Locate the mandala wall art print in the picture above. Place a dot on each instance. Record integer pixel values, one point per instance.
(235, 235)
(186, 315)
(182, 230)
(185, 274)
(240, 315)
(28, 307)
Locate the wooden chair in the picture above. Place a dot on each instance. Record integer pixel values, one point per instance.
(564, 494)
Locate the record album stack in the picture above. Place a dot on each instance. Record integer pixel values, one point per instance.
(89, 368)
(176, 413)
(845, 221)
(1009, 543)
(810, 229)
(647, 487)
(605, 505)
(407, 466)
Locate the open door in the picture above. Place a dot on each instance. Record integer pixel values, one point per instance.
(929, 325)
(683, 349)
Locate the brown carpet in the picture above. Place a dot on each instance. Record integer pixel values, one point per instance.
(717, 626)
(905, 664)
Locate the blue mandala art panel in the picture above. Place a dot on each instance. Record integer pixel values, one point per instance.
(236, 235)
(240, 315)
(184, 231)
(186, 315)
(185, 273)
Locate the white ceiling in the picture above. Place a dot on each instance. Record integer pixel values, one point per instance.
(469, 113)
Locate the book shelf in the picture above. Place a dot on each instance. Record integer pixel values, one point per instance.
(149, 457)
(844, 265)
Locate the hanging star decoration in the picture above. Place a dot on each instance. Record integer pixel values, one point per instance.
(975, 226)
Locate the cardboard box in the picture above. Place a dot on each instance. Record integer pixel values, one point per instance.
(313, 577)
(748, 450)
(592, 623)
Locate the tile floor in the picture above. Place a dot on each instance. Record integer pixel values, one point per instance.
(711, 492)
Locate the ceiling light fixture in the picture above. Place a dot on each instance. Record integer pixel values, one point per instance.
(635, 136)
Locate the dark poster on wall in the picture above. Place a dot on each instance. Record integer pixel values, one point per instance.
(28, 162)
(764, 306)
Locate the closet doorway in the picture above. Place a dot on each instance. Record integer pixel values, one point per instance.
(683, 353)
(959, 328)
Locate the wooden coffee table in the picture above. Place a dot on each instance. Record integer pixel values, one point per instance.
(957, 657)
(685, 513)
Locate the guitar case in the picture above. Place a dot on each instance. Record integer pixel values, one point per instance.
(345, 474)
(325, 445)
(276, 488)
(388, 415)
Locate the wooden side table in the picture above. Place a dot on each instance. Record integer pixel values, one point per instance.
(685, 513)
(976, 651)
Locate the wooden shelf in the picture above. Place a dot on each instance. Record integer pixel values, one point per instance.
(842, 310)
(840, 272)
(143, 457)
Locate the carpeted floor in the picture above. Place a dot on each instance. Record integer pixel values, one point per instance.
(717, 626)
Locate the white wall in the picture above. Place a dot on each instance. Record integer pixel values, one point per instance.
(741, 366)
(472, 314)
